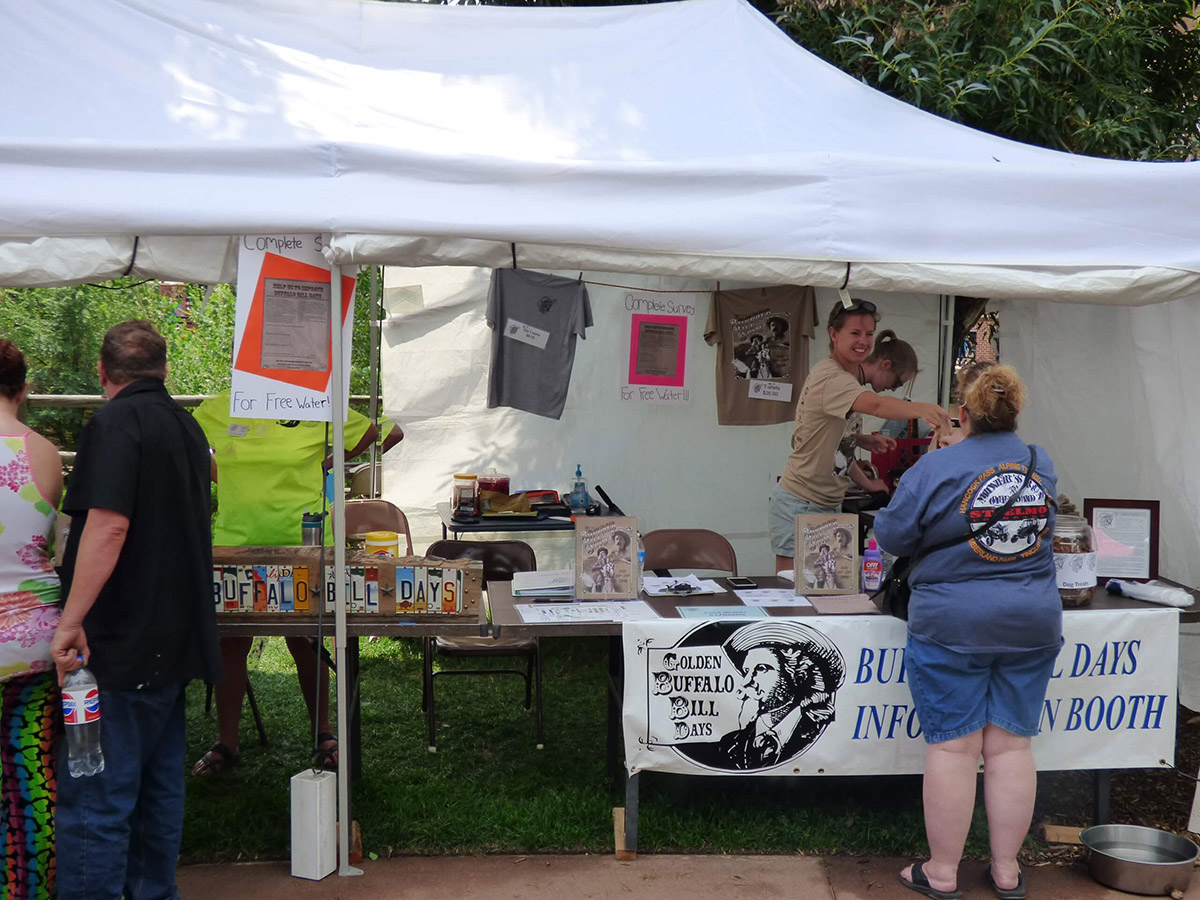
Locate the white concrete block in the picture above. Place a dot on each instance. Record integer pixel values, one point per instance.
(314, 824)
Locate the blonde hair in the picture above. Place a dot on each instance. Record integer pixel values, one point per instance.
(899, 353)
(993, 396)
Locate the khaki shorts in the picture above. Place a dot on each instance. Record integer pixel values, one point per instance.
(781, 520)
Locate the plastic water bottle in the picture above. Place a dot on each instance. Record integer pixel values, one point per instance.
(81, 713)
(641, 563)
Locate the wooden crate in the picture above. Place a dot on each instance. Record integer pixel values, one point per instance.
(258, 590)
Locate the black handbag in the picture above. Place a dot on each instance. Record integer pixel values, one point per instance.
(894, 594)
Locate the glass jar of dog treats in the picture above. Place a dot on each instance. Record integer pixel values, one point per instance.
(1074, 559)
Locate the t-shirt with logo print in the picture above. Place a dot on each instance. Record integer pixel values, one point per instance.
(762, 337)
(997, 592)
(535, 319)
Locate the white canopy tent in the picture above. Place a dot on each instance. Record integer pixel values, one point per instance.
(689, 139)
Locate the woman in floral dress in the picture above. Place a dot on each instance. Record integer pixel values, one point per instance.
(30, 488)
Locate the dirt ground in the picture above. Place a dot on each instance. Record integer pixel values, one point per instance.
(657, 877)
(1157, 798)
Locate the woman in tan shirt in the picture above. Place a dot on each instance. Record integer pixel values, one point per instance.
(828, 417)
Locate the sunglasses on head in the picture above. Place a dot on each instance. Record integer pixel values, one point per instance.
(860, 306)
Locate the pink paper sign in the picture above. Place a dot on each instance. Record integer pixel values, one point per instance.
(657, 350)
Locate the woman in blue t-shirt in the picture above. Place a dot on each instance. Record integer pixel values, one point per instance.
(984, 629)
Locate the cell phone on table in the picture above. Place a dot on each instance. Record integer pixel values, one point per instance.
(738, 582)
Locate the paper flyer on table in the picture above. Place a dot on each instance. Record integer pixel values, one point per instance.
(844, 605)
(772, 597)
(617, 611)
(555, 582)
(721, 612)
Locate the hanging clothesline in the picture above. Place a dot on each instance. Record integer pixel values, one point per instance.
(623, 287)
(647, 290)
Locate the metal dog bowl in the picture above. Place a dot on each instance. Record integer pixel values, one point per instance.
(1139, 860)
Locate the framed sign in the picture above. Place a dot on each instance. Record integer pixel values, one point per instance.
(606, 558)
(1126, 537)
(826, 560)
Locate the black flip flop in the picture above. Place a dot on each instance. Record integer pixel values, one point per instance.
(921, 885)
(216, 759)
(1015, 893)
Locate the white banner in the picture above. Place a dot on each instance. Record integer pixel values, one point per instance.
(282, 356)
(692, 695)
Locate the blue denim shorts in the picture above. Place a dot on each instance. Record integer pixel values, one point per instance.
(781, 520)
(956, 694)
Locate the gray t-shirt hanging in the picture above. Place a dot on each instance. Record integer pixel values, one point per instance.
(535, 319)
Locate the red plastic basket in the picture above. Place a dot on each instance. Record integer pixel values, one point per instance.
(891, 464)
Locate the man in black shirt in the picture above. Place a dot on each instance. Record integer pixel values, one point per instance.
(139, 613)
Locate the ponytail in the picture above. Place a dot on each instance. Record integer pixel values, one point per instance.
(899, 353)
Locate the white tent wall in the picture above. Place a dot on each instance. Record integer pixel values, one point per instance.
(1111, 398)
(669, 465)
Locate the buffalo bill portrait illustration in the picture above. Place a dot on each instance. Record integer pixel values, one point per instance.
(789, 677)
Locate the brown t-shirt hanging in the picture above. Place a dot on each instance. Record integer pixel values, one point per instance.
(762, 337)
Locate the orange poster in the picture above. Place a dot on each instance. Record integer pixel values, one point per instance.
(283, 359)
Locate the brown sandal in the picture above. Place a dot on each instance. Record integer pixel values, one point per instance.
(215, 760)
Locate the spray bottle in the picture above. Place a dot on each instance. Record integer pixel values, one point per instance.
(872, 567)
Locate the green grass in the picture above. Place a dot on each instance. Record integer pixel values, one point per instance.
(488, 789)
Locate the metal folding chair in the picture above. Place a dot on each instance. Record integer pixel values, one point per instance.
(500, 560)
(693, 548)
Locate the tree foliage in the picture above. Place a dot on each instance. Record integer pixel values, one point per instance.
(60, 329)
(1114, 78)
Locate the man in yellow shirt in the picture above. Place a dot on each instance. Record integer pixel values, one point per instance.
(268, 474)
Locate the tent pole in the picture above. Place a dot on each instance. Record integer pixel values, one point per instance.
(374, 307)
(946, 382)
(337, 396)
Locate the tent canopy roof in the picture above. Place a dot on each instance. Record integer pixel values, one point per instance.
(689, 137)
